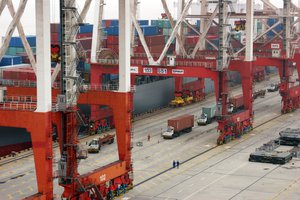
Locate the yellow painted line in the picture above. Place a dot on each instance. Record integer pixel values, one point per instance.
(9, 196)
(286, 190)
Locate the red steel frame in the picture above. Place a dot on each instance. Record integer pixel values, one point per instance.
(121, 103)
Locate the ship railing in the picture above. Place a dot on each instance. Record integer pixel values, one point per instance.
(18, 83)
(23, 83)
(18, 106)
(99, 87)
(29, 99)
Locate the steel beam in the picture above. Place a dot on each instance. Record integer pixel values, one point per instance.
(23, 37)
(85, 9)
(12, 26)
(170, 18)
(2, 6)
(97, 30)
(124, 45)
(43, 75)
(249, 30)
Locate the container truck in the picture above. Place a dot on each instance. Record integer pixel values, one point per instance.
(273, 87)
(236, 103)
(178, 126)
(207, 116)
(259, 93)
(94, 146)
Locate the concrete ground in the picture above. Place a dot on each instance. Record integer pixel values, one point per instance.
(221, 173)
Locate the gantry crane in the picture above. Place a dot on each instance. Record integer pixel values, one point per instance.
(117, 176)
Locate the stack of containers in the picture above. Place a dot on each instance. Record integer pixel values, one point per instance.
(155, 43)
(84, 36)
(164, 26)
(55, 33)
(278, 28)
(19, 72)
(16, 45)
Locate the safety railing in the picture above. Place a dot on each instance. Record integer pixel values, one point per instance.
(98, 87)
(185, 63)
(28, 99)
(19, 98)
(22, 83)
(18, 106)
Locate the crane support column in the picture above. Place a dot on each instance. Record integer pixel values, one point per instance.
(246, 75)
(124, 45)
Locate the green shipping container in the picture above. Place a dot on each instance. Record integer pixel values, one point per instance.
(166, 39)
(167, 31)
(87, 67)
(15, 50)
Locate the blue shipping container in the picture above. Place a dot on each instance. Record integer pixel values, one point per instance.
(149, 30)
(17, 42)
(198, 23)
(114, 22)
(112, 30)
(87, 28)
(143, 22)
(53, 64)
(10, 60)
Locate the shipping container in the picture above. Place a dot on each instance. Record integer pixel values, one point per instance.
(84, 35)
(149, 30)
(112, 40)
(143, 22)
(182, 122)
(113, 30)
(86, 28)
(198, 24)
(167, 38)
(55, 28)
(237, 102)
(86, 43)
(179, 125)
(10, 60)
(193, 86)
(154, 40)
(17, 42)
(20, 72)
(13, 51)
(162, 23)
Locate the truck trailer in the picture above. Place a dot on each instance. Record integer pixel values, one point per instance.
(178, 126)
(94, 146)
(207, 116)
(236, 103)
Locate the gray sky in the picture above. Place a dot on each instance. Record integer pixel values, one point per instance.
(149, 9)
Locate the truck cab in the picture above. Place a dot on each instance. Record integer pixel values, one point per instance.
(169, 133)
(202, 120)
(94, 146)
(230, 108)
(272, 87)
